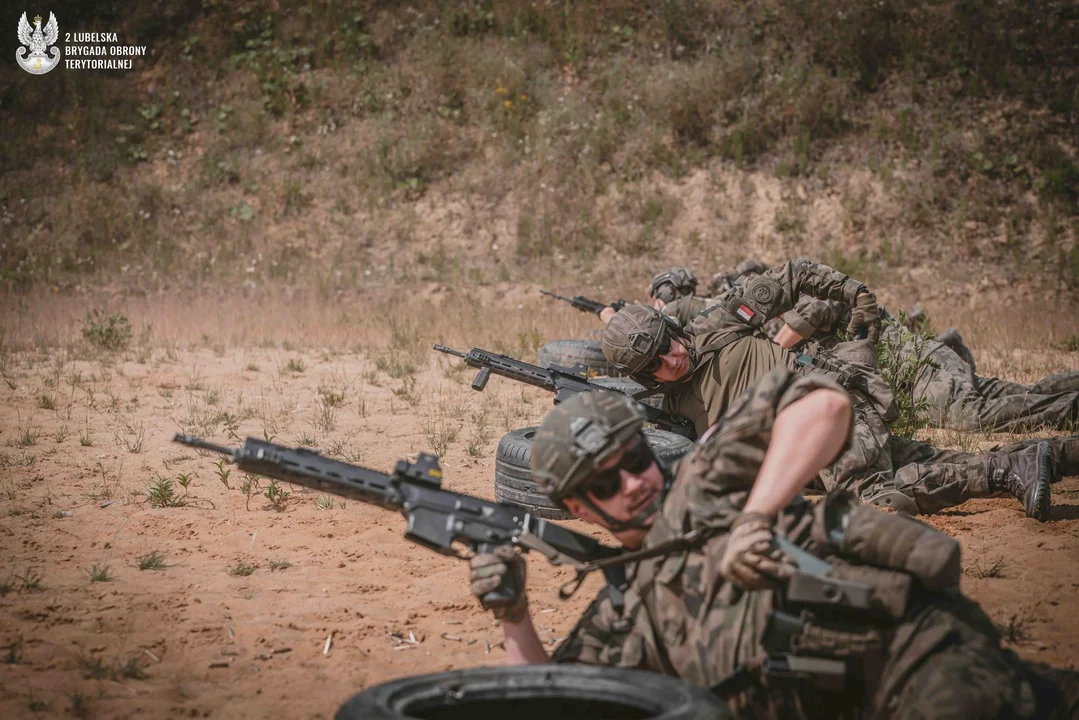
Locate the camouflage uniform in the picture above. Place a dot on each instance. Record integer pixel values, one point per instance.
(937, 656)
(957, 398)
(961, 400)
(879, 467)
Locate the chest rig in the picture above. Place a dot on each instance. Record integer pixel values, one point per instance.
(832, 622)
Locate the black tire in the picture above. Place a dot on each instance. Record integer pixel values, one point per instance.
(568, 353)
(535, 692)
(513, 475)
(627, 386)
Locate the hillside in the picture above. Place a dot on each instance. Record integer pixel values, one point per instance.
(342, 145)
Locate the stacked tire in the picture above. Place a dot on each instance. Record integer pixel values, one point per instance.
(513, 474)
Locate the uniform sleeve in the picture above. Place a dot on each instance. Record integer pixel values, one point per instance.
(810, 315)
(604, 635)
(716, 478)
(763, 297)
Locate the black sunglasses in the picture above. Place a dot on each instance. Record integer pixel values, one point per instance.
(605, 485)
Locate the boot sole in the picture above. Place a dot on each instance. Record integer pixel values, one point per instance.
(1041, 503)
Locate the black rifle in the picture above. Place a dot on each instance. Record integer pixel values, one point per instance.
(585, 305)
(436, 518)
(564, 382)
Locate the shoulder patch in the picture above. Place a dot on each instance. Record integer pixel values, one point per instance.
(763, 293)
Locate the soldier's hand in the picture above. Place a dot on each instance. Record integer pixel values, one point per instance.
(865, 316)
(606, 314)
(752, 560)
(488, 570)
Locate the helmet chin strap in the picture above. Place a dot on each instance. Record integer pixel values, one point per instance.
(691, 353)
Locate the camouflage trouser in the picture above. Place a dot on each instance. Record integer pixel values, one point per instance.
(945, 661)
(1065, 382)
(932, 479)
(960, 400)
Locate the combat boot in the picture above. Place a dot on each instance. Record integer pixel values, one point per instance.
(1027, 475)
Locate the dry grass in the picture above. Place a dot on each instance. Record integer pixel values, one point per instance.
(235, 537)
(398, 335)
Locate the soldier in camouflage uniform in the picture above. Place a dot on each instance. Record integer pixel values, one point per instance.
(957, 398)
(917, 321)
(718, 594)
(722, 282)
(685, 306)
(671, 291)
(822, 318)
(703, 368)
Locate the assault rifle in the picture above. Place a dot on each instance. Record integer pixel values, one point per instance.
(436, 518)
(585, 305)
(564, 382)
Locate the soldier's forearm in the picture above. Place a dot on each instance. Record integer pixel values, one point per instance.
(523, 646)
(806, 437)
(805, 277)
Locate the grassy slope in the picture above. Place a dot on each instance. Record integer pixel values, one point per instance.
(340, 144)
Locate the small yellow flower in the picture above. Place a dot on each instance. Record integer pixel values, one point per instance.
(501, 91)
(524, 97)
(508, 104)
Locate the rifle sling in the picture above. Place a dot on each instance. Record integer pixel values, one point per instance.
(724, 341)
(682, 542)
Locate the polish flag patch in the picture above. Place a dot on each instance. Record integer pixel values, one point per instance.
(744, 313)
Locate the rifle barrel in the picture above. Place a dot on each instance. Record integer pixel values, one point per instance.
(450, 351)
(195, 442)
(555, 295)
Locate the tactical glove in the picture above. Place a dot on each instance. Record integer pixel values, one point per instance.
(488, 571)
(752, 561)
(865, 316)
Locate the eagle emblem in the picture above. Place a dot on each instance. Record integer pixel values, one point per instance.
(38, 62)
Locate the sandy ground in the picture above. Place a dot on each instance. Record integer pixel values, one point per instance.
(81, 441)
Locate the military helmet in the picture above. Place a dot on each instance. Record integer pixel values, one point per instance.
(672, 284)
(752, 266)
(580, 434)
(636, 336)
